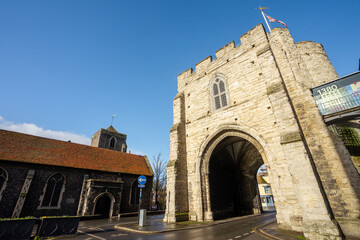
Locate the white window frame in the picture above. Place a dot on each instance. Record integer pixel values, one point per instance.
(267, 189)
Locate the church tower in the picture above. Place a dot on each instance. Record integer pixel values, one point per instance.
(109, 138)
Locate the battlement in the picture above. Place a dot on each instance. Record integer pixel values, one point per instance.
(222, 51)
(248, 41)
(203, 64)
(257, 39)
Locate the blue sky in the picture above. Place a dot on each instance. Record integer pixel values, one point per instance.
(67, 66)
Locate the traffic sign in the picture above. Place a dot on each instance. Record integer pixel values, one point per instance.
(141, 186)
(142, 180)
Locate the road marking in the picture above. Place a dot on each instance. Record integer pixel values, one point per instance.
(94, 228)
(119, 235)
(260, 234)
(246, 234)
(91, 235)
(238, 236)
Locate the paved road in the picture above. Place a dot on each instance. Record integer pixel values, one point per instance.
(236, 230)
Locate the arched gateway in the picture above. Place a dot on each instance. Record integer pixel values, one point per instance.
(228, 168)
(250, 106)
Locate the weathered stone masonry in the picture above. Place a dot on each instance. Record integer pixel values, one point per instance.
(268, 77)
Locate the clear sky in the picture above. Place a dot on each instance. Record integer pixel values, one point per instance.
(67, 66)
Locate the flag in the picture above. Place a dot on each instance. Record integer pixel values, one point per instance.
(270, 18)
(281, 23)
(274, 20)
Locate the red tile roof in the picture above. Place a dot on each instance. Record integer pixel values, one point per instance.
(25, 148)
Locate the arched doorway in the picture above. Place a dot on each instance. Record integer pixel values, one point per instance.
(103, 206)
(232, 176)
(230, 163)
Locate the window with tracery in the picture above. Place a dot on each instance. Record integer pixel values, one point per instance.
(53, 190)
(219, 93)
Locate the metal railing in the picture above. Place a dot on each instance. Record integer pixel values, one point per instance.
(338, 104)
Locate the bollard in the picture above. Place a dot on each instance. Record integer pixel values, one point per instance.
(142, 217)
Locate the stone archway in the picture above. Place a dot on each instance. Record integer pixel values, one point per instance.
(104, 205)
(228, 168)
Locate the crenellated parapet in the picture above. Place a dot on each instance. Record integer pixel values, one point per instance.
(227, 48)
(256, 37)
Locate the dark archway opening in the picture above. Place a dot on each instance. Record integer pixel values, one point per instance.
(103, 205)
(232, 177)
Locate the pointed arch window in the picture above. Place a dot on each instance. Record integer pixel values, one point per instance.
(134, 194)
(53, 191)
(112, 143)
(219, 92)
(3, 180)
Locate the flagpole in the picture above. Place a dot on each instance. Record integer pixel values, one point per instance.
(112, 119)
(261, 9)
(266, 21)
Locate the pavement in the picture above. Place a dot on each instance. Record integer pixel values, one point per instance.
(268, 230)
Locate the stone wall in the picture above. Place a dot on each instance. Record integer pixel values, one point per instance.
(103, 137)
(268, 78)
(331, 161)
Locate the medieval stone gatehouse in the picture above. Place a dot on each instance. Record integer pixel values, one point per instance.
(46, 177)
(252, 105)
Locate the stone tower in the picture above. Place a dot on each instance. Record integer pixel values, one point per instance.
(250, 106)
(109, 138)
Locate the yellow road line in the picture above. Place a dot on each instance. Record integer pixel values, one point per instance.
(261, 234)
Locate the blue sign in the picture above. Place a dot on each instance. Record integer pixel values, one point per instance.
(141, 186)
(142, 180)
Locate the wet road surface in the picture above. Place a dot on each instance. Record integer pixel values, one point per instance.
(235, 230)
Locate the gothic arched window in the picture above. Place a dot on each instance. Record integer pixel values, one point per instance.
(219, 95)
(134, 193)
(53, 190)
(112, 143)
(3, 180)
